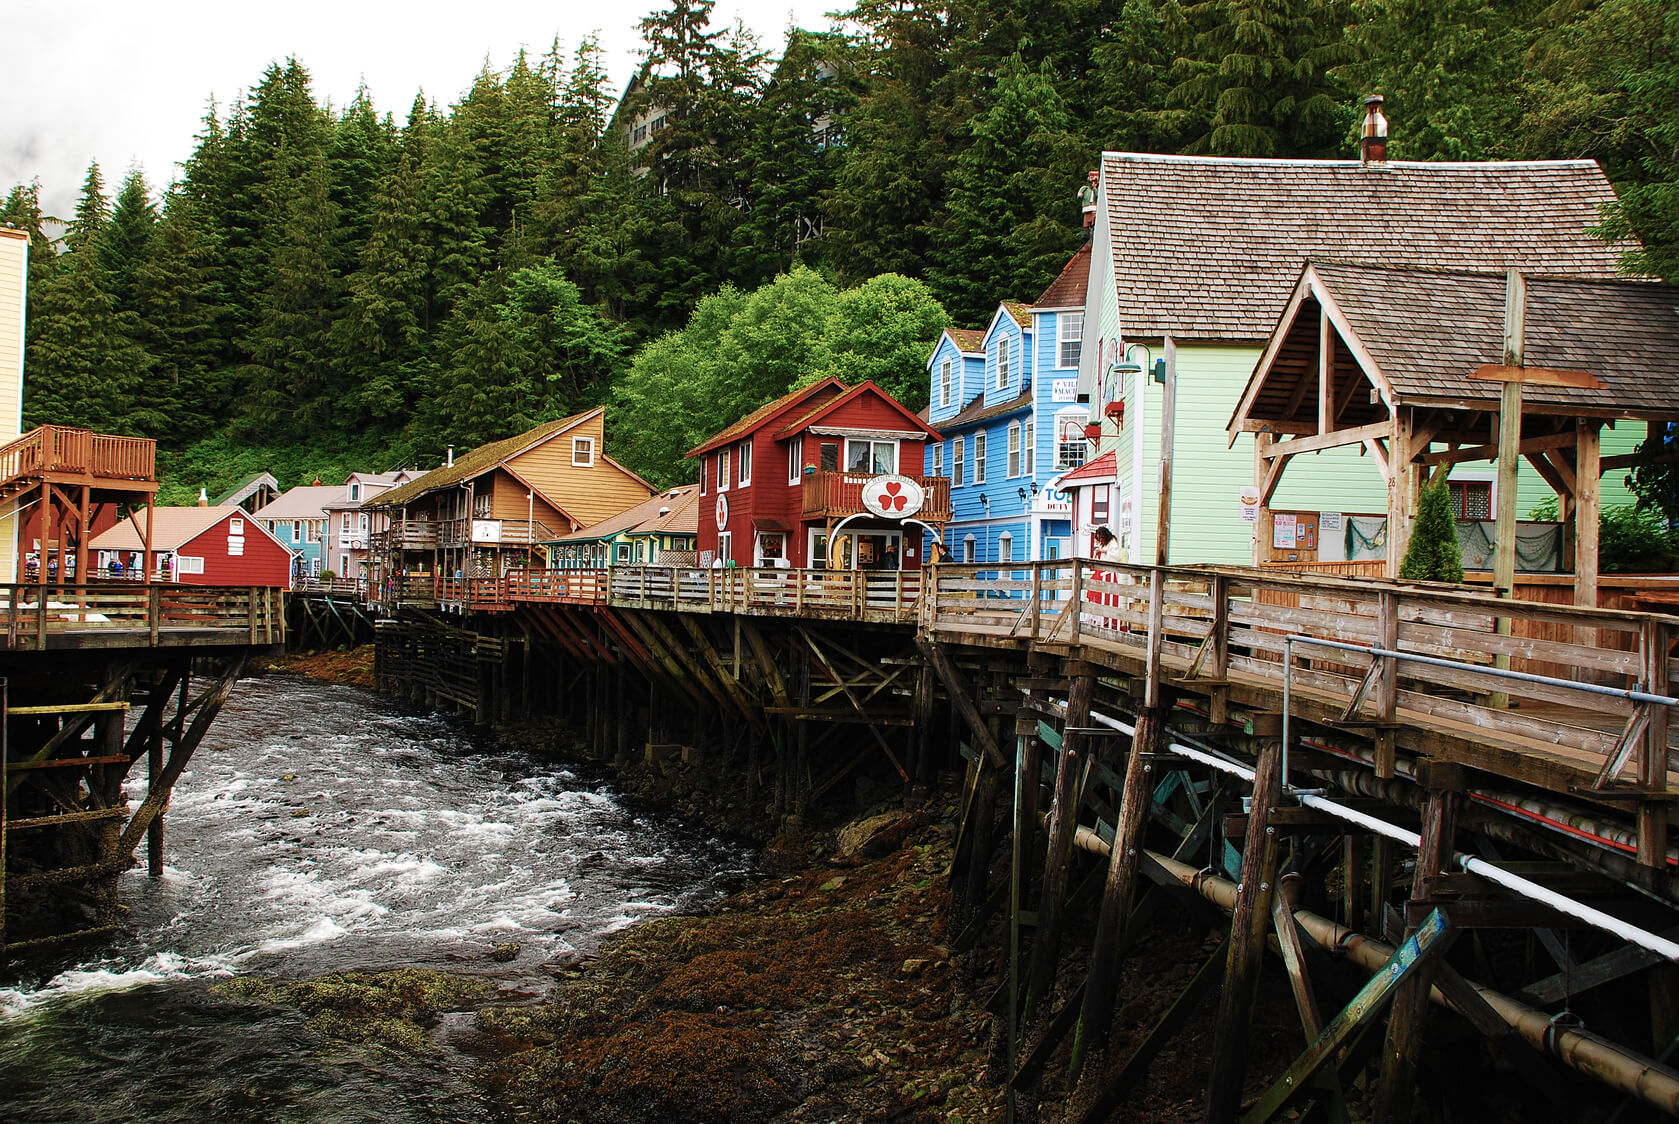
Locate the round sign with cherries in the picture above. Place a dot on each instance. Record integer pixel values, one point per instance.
(893, 497)
(722, 512)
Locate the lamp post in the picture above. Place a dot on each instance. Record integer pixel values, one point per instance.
(530, 529)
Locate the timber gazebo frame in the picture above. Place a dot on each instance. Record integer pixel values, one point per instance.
(1405, 361)
(68, 474)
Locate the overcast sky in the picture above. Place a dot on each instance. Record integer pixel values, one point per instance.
(125, 83)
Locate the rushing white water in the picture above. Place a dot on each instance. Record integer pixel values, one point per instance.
(320, 830)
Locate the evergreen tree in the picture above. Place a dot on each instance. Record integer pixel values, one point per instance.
(124, 240)
(1012, 221)
(1131, 62)
(1433, 554)
(1253, 76)
(183, 310)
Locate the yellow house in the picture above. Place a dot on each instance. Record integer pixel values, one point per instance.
(14, 273)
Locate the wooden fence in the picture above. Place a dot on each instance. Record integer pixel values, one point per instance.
(120, 614)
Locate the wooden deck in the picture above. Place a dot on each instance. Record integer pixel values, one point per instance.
(123, 614)
(1221, 633)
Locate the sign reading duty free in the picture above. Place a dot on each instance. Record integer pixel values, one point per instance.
(893, 497)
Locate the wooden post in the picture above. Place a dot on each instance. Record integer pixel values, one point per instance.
(1124, 860)
(1248, 925)
(1509, 459)
(1387, 684)
(1063, 820)
(1262, 443)
(1218, 662)
(1401, 481)
(1168, 439)
(1028, 765)
(1411, 999)
(1588, 472)
(1654, 642)
(154, 766)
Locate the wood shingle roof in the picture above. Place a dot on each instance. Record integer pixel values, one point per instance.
(1209, 248)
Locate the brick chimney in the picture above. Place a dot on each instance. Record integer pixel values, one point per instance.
(1373, 138)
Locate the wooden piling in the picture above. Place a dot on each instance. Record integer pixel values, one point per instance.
(1248, 925)
(1136, 798)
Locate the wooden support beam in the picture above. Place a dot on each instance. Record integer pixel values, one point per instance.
(115, 687)
(1101, 986)
(1028, 767)
(956, 687)
(1411, 998)
(1588, 492)
(1246, 947)
(1333, 439)
(1417, 949)
(1528, 446)
(1063, 820)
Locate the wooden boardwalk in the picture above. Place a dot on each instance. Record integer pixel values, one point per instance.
(121, 614)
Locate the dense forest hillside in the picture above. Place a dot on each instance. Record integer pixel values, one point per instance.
(326, 289)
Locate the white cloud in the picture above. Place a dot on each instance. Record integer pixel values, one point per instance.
(128, 84)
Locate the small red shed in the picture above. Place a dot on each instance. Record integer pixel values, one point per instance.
(199, 546)
(787, 484)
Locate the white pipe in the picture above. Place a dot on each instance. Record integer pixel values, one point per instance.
(1596, 918)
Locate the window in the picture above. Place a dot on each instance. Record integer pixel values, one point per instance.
(1070, 446)
(956, 464)
(725, 547)
(1031, 457)
(795, 459)
(938, 459)
(1099, 497)
(623, 552)
(343, 565)
(658, 125)
(1014, 448)
(829, 459)
(944, 383)
(344, 524)
(315, 528)
(640, 134)
(355, 492)
(968, 549)
(871, 456)
(723, 471)
(745, 463)
(1069, 327)
(1005, 548)
(1472, 499)
(297, 530)
(235, 526)
(1003, 363)
(582, 452)
(188, 564)
(363, 522)
(979, 458)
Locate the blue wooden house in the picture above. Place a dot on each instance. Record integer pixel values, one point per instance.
(1006, 400)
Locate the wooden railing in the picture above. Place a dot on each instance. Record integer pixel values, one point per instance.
(876, 595)
(838, 494)
(122, 614)
(576, 587)
(353, 587)
(1229, 625)
(60, 449)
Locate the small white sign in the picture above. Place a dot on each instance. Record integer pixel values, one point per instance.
(1064, 390)
(1249, 503)
(1329, 521)
(1283, 531)
(893, 496)
(486, 530)
(722, 512)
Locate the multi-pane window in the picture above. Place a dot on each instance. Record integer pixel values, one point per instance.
(979, 458)
(1003, 363)
(1472, 499)
(723, 470)
(957, 463)
(1070, 335)
(1070, 447)
(582, 452)
(871, 456)
(1014, 449)
(944, 383)
(1031, 447)
(1005, 548)
(938, 459)
(745, 462)
(795, 459)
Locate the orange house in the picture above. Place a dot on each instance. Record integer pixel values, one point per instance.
(489, 510)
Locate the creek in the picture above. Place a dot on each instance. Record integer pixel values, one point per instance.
(322, 829)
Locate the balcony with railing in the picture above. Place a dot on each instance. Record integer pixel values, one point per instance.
(834, 495)
(81, 455)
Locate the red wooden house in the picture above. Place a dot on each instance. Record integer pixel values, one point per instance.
(786, 484)
(200, 546)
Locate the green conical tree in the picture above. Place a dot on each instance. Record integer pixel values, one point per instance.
(1433, 554)
(125, 238)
